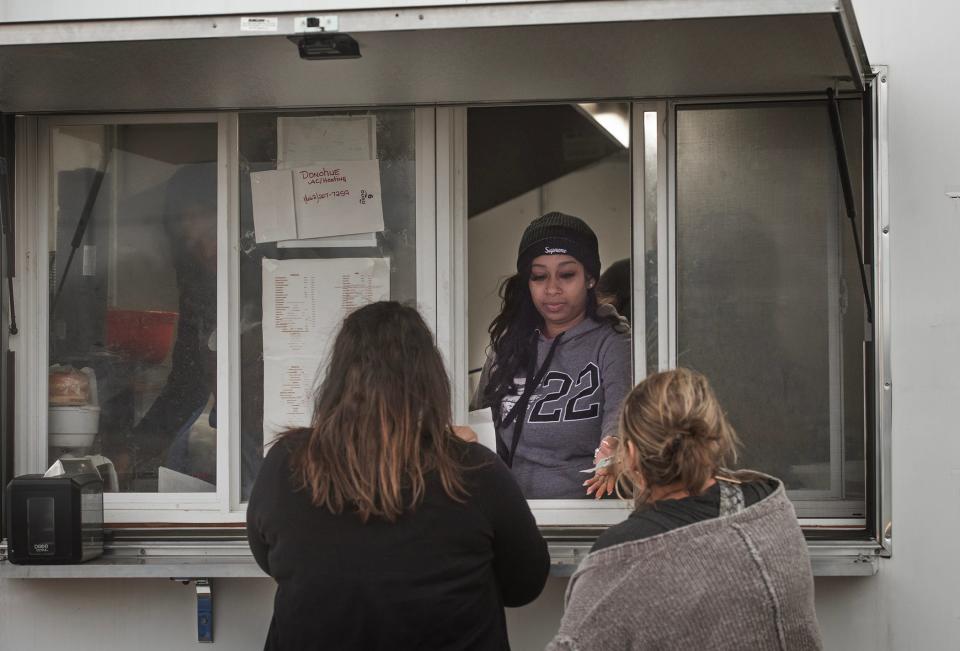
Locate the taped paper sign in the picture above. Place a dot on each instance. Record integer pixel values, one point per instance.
(317, 201)
(273, 213)
(303, 140)
(337, 198)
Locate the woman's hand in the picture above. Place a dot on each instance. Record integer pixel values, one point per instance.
(465, 433)
(604, 481)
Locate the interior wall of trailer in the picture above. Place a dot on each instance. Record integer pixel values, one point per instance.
(911, 604)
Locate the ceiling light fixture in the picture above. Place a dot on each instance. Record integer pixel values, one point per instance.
(612, 117)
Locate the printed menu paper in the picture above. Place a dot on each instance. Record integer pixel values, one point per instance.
(304, 302)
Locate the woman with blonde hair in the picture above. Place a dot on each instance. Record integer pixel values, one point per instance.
(382, 528)
(709, 558)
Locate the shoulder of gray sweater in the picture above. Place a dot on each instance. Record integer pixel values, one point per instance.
(562, 643)
(775, 505)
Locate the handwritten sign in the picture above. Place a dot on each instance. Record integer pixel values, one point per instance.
(337, 198)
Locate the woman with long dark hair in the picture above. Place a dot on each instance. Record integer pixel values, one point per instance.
(557, 369)
(383, 529)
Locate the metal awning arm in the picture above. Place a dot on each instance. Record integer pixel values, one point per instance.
(842, 166)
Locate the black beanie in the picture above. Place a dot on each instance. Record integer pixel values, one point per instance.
(558, 234)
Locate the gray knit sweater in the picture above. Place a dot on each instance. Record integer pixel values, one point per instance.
(741, 581)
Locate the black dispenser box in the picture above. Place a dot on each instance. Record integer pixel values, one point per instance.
(54, 520)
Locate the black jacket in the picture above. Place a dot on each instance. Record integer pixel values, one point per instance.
(438, 578)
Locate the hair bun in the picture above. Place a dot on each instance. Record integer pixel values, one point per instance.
(698, 429)
(680, 432)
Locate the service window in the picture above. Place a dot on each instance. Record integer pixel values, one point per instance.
(741, 263)
(524, 162)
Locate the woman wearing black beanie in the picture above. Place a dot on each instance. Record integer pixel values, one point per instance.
(556, 372)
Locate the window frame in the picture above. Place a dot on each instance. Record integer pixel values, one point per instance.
(879, 455)
(441, 285)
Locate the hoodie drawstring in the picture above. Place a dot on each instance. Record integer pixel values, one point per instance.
(519, 411)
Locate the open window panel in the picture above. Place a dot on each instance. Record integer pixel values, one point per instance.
(595, 160)
(777, 288)
(766, 292)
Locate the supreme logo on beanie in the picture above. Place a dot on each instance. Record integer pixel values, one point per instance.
(558, 234)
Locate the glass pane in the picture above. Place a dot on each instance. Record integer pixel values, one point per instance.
(133, 285)
(304, 301)
(853, 317)
(650, 217)
(769, 305)
(524, 162)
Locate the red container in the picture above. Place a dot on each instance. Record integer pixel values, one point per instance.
(141, 335)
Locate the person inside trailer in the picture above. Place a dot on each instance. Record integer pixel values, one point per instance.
(558, 366)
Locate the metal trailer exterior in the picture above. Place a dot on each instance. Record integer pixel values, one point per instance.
(907, 603)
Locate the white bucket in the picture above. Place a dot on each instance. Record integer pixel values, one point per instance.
(73, 427)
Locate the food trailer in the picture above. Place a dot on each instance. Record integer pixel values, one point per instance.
(173, 269)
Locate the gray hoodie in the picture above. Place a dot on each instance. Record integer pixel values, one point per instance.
(575, 406)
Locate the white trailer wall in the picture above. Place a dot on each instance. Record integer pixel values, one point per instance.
(912, 604)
